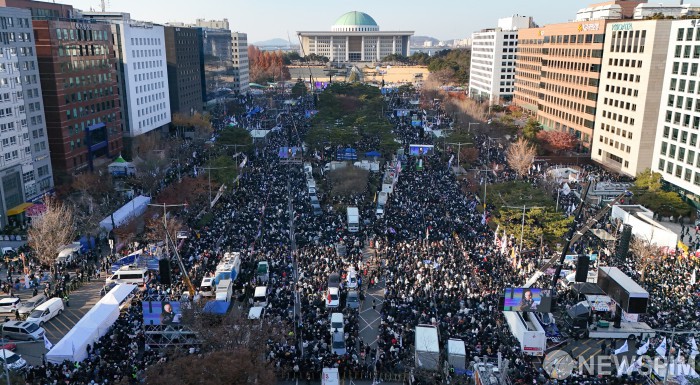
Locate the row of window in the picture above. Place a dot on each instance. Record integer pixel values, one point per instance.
(150, 87)
(688, 33)
(79, 112)
(87, 81)
(614, 143)
(620, 104)
(628, 41)
(150, 121)
(151, 109)
(89, 95)
(9, 22)
(82, 65)
(682, 119)
(625, 63)
(683, 138)
(145, 41)
(83, 50)
(618, 117)
(81, 34)
(680, 171)
(147, 52)
(12, 37)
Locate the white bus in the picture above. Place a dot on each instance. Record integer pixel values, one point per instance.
(128, 274)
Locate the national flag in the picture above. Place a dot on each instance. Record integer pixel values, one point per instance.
(566, 190)
(622, 349)
(643, 349)
(483, 218)
(661, 349)
(495, 235)
(47, 344)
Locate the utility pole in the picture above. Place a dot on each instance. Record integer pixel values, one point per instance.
(522, 225)
(459, 149)
(209, 175)
(165, 220)
(486, 170)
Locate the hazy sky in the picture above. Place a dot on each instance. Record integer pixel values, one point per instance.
(267, 19)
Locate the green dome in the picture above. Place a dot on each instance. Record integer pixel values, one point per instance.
(356, 18)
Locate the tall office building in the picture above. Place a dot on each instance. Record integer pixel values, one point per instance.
(142, 71)
(557, 74)
(629, 93)
(217, 41)
(25, 165)
(492, 69)
(241, 68)
(184, 58)
(676, 154)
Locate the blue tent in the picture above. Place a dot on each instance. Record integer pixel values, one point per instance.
(346, 154)
(217, 307)
(373, 153)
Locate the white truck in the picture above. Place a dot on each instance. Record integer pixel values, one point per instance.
(353, 219)
(381, 202)
(528, 330)
(224, 290)
(427, 347)
(456, 353)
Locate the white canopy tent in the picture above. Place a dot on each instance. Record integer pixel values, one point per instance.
(93, 325)
(131, 210)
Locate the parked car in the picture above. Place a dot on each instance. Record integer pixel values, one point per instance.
(31, 304)
(14, 361)
(10, 304)
(333, 297)
(352, 300)
(22, 330)
(7, 344)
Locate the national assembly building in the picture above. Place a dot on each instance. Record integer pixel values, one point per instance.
(355, 37)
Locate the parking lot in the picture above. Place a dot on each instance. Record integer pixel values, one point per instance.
(81, 300)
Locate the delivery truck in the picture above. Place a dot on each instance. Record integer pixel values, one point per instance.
(427, 347)
(353, 219)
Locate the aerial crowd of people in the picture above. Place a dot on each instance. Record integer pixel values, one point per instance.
(432, 256)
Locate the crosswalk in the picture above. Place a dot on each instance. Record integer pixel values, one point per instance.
(370, 308)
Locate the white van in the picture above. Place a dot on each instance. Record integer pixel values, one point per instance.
(260, 297)
(46, 311)
(127, 274)
(206, 289)
(337, 323)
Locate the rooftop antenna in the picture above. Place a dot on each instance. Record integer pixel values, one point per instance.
(103, 5)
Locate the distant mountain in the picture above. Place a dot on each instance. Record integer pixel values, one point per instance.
(419, 40)
(277, 42)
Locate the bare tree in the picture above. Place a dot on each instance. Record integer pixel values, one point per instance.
(646, 254)
(53, 229)
(520, 156)
(232, 367)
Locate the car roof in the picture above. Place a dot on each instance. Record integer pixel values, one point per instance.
(9, 299)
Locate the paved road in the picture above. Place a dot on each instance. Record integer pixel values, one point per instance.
(81, 301)
(589, 351)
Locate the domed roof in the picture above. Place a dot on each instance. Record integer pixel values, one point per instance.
(356, 18)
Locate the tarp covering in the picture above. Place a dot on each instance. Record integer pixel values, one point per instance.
(217, 307)
(133, 209)
(578, 311)
(94, 324)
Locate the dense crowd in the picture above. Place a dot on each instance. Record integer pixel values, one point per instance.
(435, 256)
